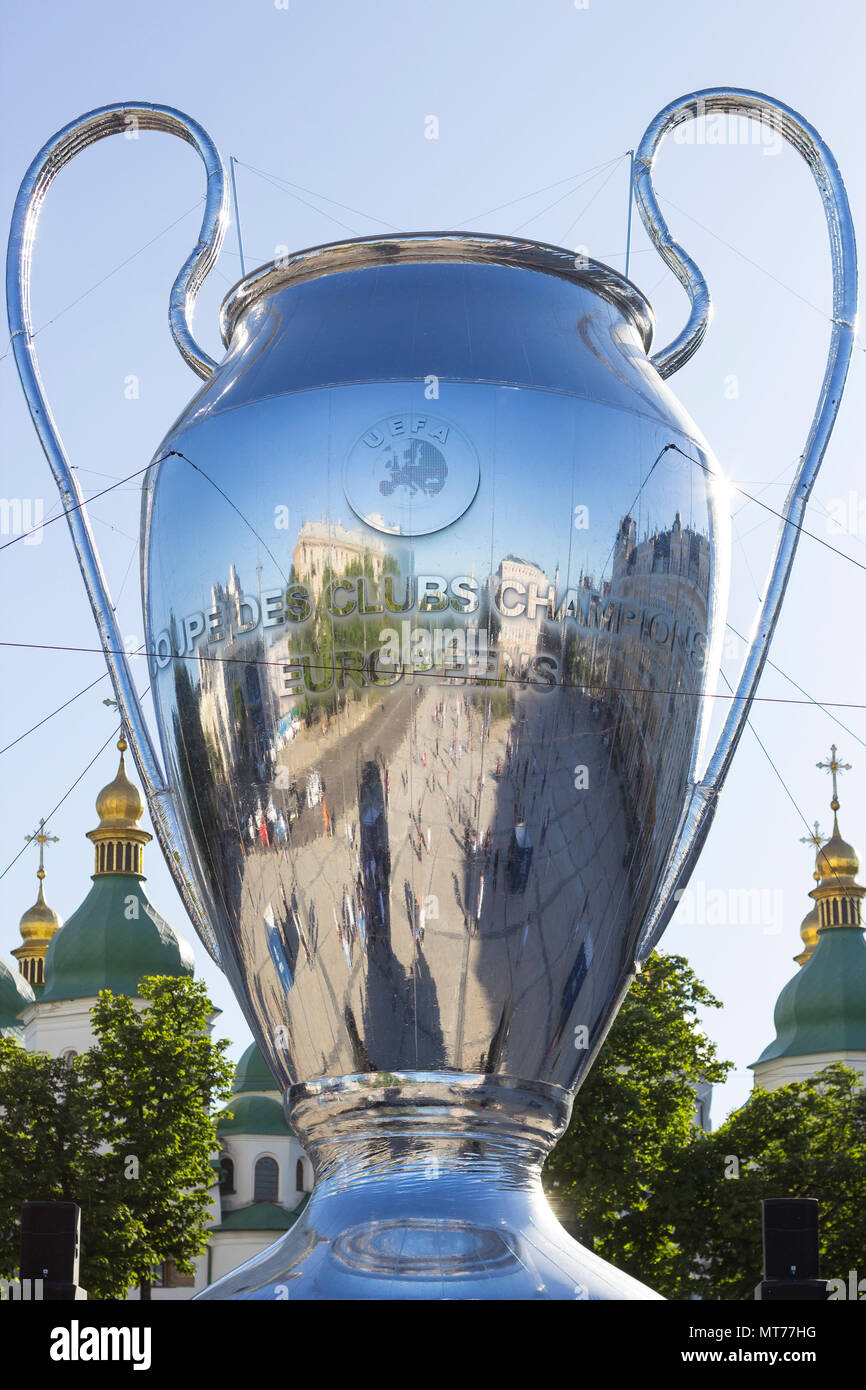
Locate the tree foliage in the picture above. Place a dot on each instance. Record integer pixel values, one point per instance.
(127, 1132)
(680, 1209)
(806, 1139)
(632, 1117)
(50, 1152)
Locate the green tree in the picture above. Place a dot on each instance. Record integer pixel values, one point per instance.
(806, 1139)
(636, 1181)
(51, 1151)
(159, 1076)
(128, 1133)
(632, 1118)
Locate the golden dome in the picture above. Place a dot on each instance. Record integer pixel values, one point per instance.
(809, 935)
(118, 839)
(40, 921)
(119, 805)
(837, 860)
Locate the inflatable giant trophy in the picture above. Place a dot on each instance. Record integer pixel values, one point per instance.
(434, 575)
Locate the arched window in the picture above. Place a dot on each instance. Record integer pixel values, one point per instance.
(227, 1175)
(299, 1175)
(266, 1180)
(69, 1056)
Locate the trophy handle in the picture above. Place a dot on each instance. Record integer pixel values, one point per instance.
(698, 814)
(126, 117)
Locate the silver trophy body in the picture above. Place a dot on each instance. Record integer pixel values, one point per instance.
(434, 573)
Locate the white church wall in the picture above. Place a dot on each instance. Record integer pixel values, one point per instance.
(781, 1071)
(246, 1149)
(61, 1026)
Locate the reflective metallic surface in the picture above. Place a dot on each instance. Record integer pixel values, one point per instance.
(428, 1187)
(432, 773)
(428, 776)
(434, 571)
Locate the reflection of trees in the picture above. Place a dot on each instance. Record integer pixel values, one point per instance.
(317, 640)
(578, 667)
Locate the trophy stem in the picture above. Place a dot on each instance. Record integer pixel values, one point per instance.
(428, 1186)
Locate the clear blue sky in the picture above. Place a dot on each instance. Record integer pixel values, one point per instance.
(333, 95)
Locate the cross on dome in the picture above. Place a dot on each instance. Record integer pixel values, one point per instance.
(834, 767)
(40, 922)
(817, 837)
(42, 840)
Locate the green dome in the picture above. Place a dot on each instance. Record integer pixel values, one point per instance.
(253, 1073)
(254, 1115)
(823, 1009)
(112, 940)
(15, 995)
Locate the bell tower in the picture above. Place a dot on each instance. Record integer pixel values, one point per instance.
(119, 839)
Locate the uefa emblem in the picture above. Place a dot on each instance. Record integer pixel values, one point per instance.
(411, 474)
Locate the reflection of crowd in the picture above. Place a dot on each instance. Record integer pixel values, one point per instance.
(519, 776)
(458, 728)
(268, 826)
(488, 766)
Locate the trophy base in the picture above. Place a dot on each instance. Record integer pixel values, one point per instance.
(428, 1187)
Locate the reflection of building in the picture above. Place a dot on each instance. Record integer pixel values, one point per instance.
(662, 583)
(111, 941)
(640, 639)
(322, 546)
(820, 1015)
(523, 587)
(233, 685)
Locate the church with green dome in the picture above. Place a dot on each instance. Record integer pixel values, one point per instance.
(113, 939)
(820, 1015)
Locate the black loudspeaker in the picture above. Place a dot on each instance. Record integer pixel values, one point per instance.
(790, 1238)
(792, 1291)
(50, 1241)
